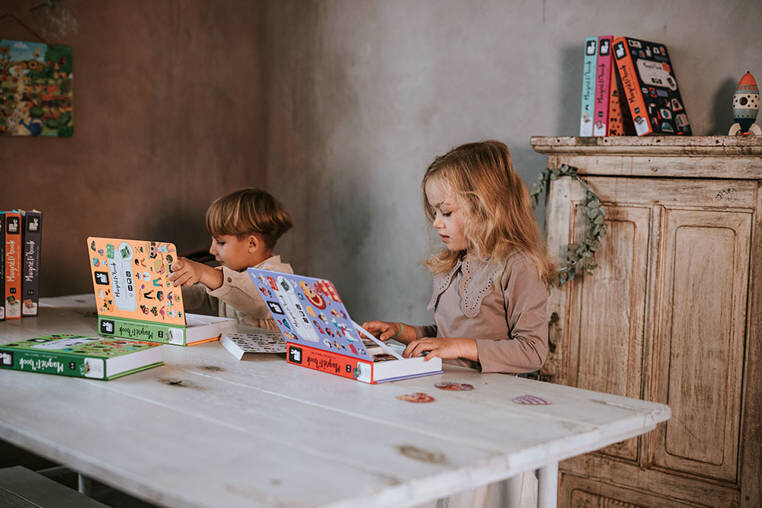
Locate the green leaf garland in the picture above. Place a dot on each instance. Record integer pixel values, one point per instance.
(578, 257)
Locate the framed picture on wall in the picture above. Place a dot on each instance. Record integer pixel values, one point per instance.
(36, 89)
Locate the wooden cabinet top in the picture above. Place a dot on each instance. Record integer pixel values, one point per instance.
(660, 156)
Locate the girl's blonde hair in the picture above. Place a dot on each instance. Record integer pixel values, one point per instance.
(248, 211)
(498, 209)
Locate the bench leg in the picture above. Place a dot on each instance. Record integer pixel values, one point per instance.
(548, 486)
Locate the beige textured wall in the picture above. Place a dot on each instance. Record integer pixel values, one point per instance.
(169, 113)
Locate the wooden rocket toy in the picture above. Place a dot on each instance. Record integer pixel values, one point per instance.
(745, 108)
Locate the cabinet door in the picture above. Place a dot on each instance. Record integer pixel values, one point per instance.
(597, 322)
(607, 320)
(699, 344)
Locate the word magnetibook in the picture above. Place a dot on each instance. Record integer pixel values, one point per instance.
(320, 334)
(80, 356)
(136, 300)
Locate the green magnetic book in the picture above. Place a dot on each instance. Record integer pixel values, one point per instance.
(80, 356)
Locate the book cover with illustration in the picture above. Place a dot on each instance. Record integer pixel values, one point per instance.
(12, 296)
(588, 87)
(602, 86)
(321, 335)
(32, 241)
(650, 87)
(80, 356)
(136, 300)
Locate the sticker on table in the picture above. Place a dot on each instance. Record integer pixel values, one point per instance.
(454, 387)
(417, 397)
(531, 400)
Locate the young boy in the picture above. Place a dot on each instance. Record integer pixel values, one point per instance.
(244, 226)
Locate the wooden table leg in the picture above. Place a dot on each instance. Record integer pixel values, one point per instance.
(548, 486)
(84, 484)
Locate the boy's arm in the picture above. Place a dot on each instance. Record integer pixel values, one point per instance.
(186, 273)
(239, 291)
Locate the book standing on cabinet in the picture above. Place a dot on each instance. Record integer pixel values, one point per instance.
(588, 87)
(602, 86)
(650, 87)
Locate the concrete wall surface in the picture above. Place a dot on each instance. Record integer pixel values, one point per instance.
(169, 113)
(363, 94)
(336, 107)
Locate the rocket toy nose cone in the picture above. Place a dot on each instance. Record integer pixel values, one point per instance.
(747, 80)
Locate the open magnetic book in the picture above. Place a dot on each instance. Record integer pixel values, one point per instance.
(136, 300)
(320, 334)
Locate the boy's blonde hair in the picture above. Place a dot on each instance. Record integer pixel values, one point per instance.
(248, 211)
(498, 209)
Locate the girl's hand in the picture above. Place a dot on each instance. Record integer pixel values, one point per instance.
(443, 347)
(385, 330)
(186, 273)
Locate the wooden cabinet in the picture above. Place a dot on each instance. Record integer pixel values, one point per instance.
(672, 314)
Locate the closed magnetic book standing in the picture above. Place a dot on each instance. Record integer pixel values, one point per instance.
(320, 334)
(136, 300)
(588, 87)
(13, 265)
(650, 87)
(2, 266)
(30, 285)
(602, 86)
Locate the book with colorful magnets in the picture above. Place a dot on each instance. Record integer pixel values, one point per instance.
(80, 356)
(321, 335)
(136, 300)
(650, 87)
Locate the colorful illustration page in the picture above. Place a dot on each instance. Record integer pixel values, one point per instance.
(87, 346)
(131, 280)
(309, 312)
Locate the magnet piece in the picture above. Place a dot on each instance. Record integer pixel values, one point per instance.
(530, 400)
(455, 387)
(417, 397)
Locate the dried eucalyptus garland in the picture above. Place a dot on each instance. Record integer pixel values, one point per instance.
(578, 257)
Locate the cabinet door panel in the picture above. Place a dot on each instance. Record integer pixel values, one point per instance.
(576, 492)
(700, 340)
(609, 312)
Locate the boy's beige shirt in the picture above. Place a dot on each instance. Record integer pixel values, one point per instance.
(237, 297)
(502, 307)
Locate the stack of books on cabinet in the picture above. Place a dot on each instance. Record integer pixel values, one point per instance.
(629, 88)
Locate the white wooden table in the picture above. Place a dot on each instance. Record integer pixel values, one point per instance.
(208, 430)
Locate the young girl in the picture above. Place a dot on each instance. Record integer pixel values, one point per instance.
(491, 279)
(244, 226)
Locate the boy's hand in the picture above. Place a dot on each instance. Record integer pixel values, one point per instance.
(443, 347)
(186, 273)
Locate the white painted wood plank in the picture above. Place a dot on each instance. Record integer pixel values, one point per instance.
(207, 429)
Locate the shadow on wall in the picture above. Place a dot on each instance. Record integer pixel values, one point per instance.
(186, 230)
(723, 108)
(569, 94)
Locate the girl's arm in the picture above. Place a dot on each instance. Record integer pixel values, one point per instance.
(443, 347)
(402, 332)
